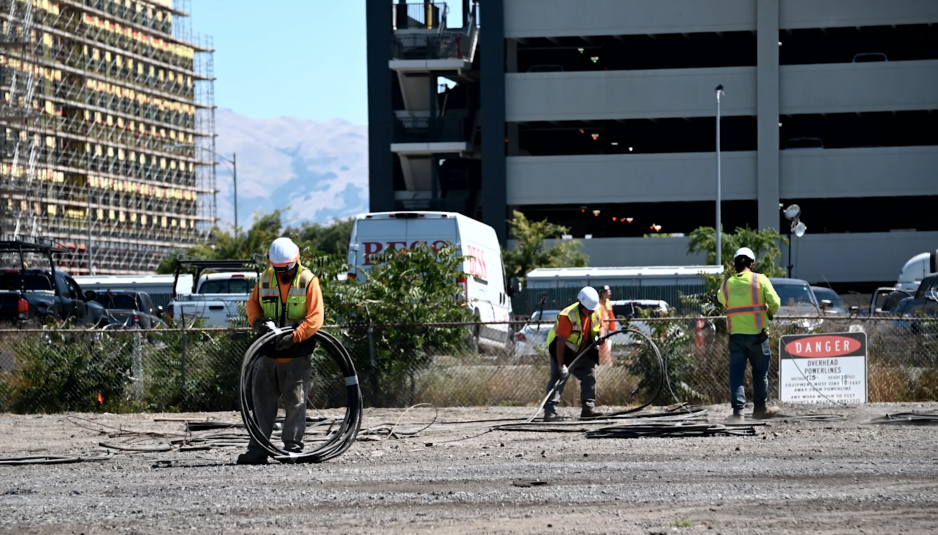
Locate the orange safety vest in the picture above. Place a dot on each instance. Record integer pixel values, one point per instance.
(740, 312)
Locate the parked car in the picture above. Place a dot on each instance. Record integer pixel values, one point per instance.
(534, 333)
(797, 301)
(869, 57)
(125, 308)
(924, 304)
(41, 294)
(804, 143)
(829, 301)
(545, 68)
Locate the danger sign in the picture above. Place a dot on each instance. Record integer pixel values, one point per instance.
(823, 368)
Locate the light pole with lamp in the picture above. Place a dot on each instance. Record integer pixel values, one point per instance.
(793, 214)
(719, 226)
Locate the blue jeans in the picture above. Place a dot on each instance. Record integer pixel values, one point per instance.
(741, 352)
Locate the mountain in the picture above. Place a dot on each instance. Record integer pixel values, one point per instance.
(319, 169)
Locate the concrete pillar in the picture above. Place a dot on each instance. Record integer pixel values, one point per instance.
(511, 55)
(380, 114)
(494, 195)
(767, 107)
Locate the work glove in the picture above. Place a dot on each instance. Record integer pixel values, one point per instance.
(260, 325)
(564, 372)
(284, 342)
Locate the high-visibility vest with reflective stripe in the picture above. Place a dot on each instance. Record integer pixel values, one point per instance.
(268, 293)
(572, 313)
(746, 311)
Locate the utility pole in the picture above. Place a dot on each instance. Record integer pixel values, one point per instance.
(719, 226)
(234, 180)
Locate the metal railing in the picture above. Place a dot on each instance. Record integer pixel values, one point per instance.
(431, 130)
(44, 371)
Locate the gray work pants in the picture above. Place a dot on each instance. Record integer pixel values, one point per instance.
(584, 371)
(288, 381)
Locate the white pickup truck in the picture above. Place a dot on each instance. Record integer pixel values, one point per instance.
(218, 298)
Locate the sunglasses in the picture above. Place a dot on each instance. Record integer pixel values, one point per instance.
(284, 269)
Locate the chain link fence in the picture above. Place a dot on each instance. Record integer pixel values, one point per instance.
(46, 370)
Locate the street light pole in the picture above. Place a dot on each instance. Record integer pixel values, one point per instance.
(234, 181)
(719, 226)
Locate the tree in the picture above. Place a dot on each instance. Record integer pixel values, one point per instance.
(414, 286)
(764, 243)
(530, 253)
(329, 239)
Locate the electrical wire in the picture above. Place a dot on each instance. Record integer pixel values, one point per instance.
(342, 438)
(906, 418)
(51, 459)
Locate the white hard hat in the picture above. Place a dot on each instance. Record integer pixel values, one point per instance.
(745, 251)
(283, 253)
(589, 298)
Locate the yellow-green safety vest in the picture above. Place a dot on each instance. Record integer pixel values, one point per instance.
(572, 313)
(746, 309)
(268, 293)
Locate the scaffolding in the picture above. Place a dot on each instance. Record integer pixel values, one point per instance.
(107, 130)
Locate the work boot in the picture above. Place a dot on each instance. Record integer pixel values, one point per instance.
(735, 418)
(552, 417)
(764, 413)
(251, 457)
(589, 412)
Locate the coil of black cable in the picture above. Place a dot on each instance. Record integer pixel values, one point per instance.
(342, 438)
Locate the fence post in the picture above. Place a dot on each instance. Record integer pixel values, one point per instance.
(374, 362)
(182, 345)
(137, 366)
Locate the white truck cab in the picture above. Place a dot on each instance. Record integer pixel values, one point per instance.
(485, 284)
(218, 298)
(917, 268)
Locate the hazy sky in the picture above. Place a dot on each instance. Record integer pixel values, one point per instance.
(294, 58)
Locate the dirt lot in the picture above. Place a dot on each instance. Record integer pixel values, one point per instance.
(795, 476)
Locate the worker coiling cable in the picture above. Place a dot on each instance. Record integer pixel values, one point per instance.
(342, 438)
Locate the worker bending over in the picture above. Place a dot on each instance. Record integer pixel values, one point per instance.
(576, 328)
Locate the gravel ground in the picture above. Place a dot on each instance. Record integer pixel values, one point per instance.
(795, 476)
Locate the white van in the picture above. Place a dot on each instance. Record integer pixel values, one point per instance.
(485, 287)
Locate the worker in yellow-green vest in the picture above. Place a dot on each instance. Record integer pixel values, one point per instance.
(286, 294)
(575, 330)
(750, 302)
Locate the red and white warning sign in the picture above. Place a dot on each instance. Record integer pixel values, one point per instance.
(823, 368)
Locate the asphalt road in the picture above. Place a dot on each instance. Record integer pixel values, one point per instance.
(792, 477)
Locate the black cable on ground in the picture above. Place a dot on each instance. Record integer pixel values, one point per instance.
(51, 459)
(342, 438)
(906, 418)
(643, 430)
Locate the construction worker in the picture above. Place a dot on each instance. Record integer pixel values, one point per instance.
(576, 328)
(286, 294)
(608, 321)
(750, 302)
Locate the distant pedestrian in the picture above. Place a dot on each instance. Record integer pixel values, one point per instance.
(750, 302)
(608, 320)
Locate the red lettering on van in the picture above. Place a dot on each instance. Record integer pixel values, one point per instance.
(371, 248)
(477, 267)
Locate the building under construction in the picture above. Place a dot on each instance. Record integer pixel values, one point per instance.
(106, 130)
